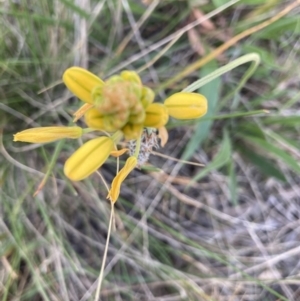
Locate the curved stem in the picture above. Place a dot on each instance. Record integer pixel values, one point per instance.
(251, 57)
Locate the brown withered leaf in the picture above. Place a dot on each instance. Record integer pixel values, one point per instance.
(207, 24)
(195, 41)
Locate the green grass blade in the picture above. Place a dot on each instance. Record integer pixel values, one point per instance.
(220, 159)
(274, 151)
(211, 91)
(264, 164)
(232, 183)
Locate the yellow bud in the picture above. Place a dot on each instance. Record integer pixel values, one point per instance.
(147, 97)
(88, 158)
(115, 79)
(137, 114)
(134, 94)
(114, 122)
(131, 76)
(48, 134)
(132, 131)
(97, 95)
(114, 191)
(184, 105)
(81, 83)
(94, 119)
(156, 115)
(114, 97)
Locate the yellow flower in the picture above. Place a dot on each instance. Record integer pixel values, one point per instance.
(48, 134)
(123, 103)
(120, 103)
(88, 158)
(114, 191)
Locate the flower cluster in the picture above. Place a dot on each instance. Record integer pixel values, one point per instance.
(122, 108)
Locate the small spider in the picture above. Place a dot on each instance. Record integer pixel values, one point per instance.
(149, 141)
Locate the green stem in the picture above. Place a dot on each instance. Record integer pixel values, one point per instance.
(117, 136)
(87, 130)
(251, 57)
(137, 147)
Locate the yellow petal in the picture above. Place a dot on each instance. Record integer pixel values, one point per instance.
(81, 83)
(163, 136)
(114, 191)
(81, 111)
(94, 119)
(48, 134)
(88, 158)
(118, 153)
(156, 115)
(184, 105)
